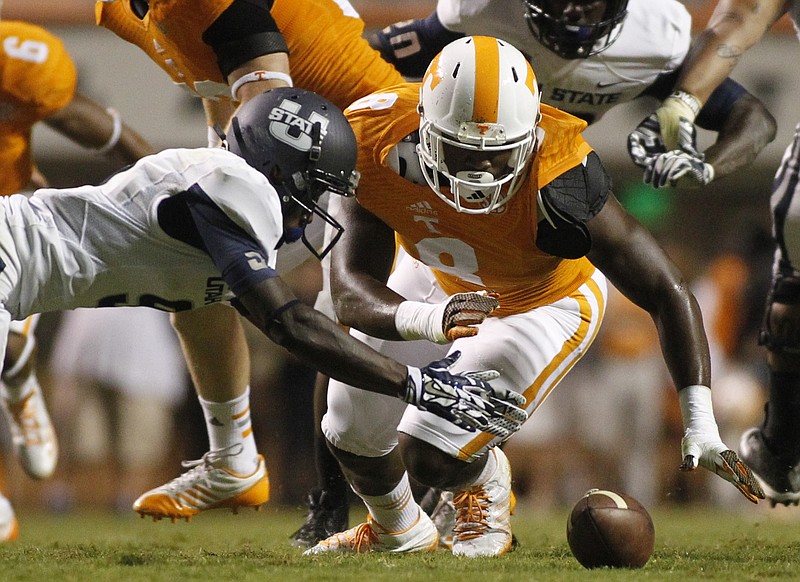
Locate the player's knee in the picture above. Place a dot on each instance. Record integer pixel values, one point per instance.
(428, 465)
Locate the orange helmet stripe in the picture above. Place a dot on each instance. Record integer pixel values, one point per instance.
(487, 89)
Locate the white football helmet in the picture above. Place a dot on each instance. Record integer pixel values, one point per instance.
(479, 93)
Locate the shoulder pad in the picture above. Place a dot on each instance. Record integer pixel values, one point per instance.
(404, 161)
(567, 203)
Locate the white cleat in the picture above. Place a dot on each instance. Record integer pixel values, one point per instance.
(207, 485)
(483, 514)
(9, 527)
(371, 537)
(33, 434)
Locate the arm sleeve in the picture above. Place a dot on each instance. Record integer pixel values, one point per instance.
(245, 31)
(239, 257)
(567, 203)
(411, 45)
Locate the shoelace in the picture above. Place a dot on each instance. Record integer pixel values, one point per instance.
(472, 513)
(199, 468)
(360, 538)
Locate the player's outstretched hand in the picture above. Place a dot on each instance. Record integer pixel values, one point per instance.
(467, 400)
(685, 166)
(714, 455)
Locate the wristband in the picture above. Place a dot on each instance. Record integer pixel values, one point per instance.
(696, 410)
(116, 132)
(258, 76)
(416, 320)
(692, 102)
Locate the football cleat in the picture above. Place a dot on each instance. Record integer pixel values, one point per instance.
(778, 477)
(207, 485)
(9, 527)
(33, 434)
(325, 518)
(371, 537)
(483, 514)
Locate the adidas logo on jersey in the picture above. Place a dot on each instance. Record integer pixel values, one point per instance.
(423, 207)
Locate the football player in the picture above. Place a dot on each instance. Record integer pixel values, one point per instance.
(592, 55)
(227, 51)
(39, 85)
(487, 192)
(185, 228)
(772, 449)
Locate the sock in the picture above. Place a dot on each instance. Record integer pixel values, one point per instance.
(781, 427)
(396, 511)
(228, 424)
(15, 394)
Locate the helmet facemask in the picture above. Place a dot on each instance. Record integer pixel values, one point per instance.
(575, 41)
(474, 191)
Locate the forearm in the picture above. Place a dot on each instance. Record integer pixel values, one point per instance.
(322, 344)
(368, 306)
(683, 340)
(734, 27)
(748, 129)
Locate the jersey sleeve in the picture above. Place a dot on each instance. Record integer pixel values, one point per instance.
(38, 74)
(411, 45)
(240, 258)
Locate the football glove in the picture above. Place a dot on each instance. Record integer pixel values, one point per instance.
(701, 444)
(680, 105)
(645, 143)
(467, 400)
(683, 167)
(456, 317)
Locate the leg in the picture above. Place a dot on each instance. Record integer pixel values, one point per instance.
(773, 450)
(328, 506)
(23, 404)
(235, 474)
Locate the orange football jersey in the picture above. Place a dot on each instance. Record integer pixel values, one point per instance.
(468, 252)
(327, 53)
(37, 79)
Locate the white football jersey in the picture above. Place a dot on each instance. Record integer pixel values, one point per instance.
(97, 246)
(654, 40)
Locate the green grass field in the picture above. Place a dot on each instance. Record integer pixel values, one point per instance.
(750, 543)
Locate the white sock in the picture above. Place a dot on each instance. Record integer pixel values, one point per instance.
(397, 510)
(228, 424)
(22, 391)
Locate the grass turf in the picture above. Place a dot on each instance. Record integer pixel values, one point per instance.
(741, 543)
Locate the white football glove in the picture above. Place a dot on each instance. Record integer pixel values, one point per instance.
(467, 400)
(456, 317)
(701, 444)
(683, 167)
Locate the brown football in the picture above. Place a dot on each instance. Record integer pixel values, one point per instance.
(610, 529)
